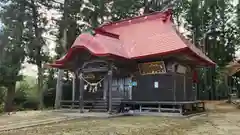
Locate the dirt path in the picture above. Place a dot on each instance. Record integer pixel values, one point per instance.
(218, 124)
(222, 119)
(28, 119)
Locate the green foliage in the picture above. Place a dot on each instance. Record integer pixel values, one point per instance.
(2, 96)
(49, 97)
(210, 30)
(13, 52)
(30, 104)
(26, 96)
(20, 95)
(50, 92)
(238, 18)
(35, 24)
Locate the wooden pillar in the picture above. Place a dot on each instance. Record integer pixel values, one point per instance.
(227, 87)
(105, 88)
(110, 91)
(73, 88)
(174, 86)
(196, 97)
(58, 97)
(81, 91)
(174, 80)
(184, 86)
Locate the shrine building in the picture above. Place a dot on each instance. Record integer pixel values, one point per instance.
(142, 63)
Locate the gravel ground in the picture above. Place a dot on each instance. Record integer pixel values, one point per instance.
(222, 119)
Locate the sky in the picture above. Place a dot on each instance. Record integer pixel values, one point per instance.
(31, 70)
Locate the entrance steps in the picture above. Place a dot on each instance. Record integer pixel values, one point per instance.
(102, 106)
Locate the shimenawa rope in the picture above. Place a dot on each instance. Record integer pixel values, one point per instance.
(93, 87)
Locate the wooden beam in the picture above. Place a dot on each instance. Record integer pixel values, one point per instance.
(94, 61)
(81, 91)
(105, 33)
(90, 70)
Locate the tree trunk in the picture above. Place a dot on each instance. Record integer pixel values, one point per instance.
(59, 89)
(64, 45)
(10, 97)
(38, 56)
(146, 7)
(40, 87)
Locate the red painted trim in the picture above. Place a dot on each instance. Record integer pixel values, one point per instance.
(182, 50)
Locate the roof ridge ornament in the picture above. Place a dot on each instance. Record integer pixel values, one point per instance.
(90, 31)
(168, 15)
(106, 33)
(164, 14)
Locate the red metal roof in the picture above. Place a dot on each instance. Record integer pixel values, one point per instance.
(138, 37)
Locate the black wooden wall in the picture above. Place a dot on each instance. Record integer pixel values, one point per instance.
(145, 90)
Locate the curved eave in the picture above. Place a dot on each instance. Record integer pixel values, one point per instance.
(160, 54)
(203, 59)
(98, 45)
(79, 49)
(194, 51)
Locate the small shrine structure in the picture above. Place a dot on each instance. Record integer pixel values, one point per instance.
(142, 63)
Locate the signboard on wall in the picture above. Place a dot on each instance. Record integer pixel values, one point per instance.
(132, 84)
(181, 69)
(156, 85)
(148, 68)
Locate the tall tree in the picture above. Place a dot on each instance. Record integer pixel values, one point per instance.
(13, 53)
(207, 22)
(63, 45)
(238, 15)
(36, 25)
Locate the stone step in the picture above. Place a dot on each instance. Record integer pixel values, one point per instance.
(98, 110)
